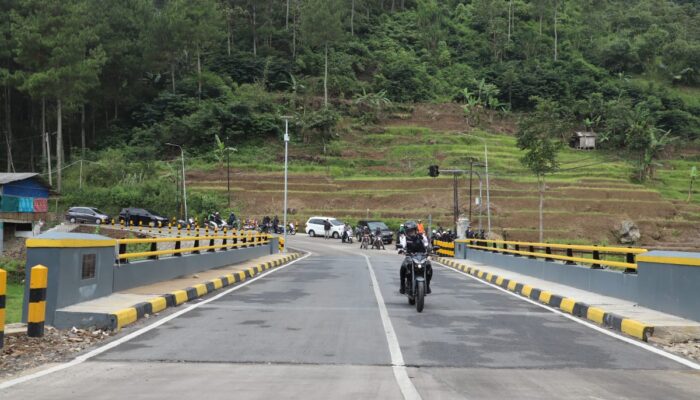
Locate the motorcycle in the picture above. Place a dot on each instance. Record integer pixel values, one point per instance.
(364, 244)
(347, 237)
(417, 280)
(377, 242)
(292, 230)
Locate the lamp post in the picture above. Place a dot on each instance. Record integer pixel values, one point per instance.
(184, 186)
(286, 148)
(486, 162)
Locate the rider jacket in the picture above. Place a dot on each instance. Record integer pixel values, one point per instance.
(414, 244)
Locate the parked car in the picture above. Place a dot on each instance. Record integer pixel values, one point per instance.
(387, 234)
(146, 217)
(314, 227)
(87, 215)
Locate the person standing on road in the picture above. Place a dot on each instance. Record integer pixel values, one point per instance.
(327, 229)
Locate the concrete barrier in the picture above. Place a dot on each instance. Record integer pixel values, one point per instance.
(664, 281)
(82, 267)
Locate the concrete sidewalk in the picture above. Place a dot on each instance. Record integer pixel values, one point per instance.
(180, 289)
(665, 326)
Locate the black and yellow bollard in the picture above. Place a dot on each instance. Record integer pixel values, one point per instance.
(140, 226)
(38, 280)
(3, 291)
(160, 228)
(170, 229)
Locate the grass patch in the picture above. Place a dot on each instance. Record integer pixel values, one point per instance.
(15, 297)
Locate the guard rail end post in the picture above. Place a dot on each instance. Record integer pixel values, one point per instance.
(531, 250)
(224, 247)
(596, 256)
(548, 250)
(212, 241)
(630, 258)
(122, 250)
(196, 242)
(38, 280)
(517, 248)
(154, 247)
(178, 246)
(570, 253)
(3, 296)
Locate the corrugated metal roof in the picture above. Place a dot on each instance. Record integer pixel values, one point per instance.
(6, 178)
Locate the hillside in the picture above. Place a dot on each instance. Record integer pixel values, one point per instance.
(383, 174)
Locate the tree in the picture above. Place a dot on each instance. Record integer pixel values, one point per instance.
(57, 39)
(539, 136)
(322, 27)
(645, 141)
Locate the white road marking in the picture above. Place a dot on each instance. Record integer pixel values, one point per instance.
(82, 358)
(398, 365)
(615, 335)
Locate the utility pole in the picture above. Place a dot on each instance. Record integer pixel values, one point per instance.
(286, 152)
(48, 159)
(455, 201)
(184, 187)
(228, 175)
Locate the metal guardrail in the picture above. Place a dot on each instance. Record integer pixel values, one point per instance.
(225, 242)
(548, 252)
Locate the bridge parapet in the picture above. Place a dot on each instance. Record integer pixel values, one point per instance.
(664, 281)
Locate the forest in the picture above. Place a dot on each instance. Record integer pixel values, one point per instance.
(83, 79)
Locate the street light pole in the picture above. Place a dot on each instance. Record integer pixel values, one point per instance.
(286, 152)
(184, 186)
(488, 191)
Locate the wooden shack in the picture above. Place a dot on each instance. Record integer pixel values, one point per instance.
(584, 140)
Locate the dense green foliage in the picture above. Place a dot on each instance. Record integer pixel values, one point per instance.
(141, 73)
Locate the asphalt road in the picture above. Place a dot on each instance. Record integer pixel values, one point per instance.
(321, 329)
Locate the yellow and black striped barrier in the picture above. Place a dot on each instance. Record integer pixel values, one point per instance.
(3, 297)
(38, 280)
(445, 248)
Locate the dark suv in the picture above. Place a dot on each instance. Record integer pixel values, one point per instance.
(88, 215)
(146, 217)
(387, 234)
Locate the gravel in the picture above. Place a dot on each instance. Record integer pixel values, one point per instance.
(22, 353)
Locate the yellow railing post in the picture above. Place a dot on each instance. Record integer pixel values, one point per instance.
(38, 280)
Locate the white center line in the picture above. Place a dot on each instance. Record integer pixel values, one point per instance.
(398, 365)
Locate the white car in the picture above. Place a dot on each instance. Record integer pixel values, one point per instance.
(314, 227)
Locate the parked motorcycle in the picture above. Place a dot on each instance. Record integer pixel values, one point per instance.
(417, 280)
(377, 242)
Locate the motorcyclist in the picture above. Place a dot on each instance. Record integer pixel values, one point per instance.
(231, 219)
(275, 224)
(378, 237)
(414, 243)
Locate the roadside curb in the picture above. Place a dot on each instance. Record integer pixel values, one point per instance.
(628, 326)
(126, 316)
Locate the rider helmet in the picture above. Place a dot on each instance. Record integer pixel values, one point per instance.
(411, 228)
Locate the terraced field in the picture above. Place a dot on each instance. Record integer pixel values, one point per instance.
(383, 174)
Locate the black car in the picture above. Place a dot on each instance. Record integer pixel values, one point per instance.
(387, 234)
(88, 215)
(145, 217)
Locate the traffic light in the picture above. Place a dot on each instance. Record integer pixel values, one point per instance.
(433, 171)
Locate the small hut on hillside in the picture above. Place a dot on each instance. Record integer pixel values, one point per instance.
(584, 140)
(23, 202)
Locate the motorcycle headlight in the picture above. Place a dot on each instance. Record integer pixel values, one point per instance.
(419, 266)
